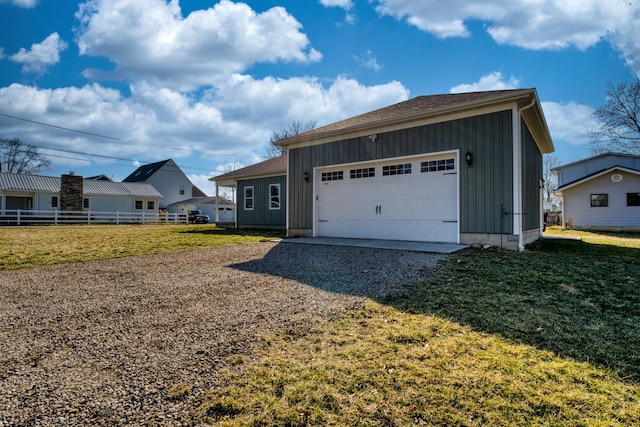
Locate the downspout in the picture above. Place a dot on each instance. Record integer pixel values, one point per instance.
(519, 160)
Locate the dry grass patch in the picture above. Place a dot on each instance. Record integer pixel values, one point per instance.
(545, 337)
(23, 247)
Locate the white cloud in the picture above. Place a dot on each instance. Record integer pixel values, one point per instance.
(369, 60)
(151, 38)
(569, 122)
(539, 24)
(235, 119)
(345, 4)
(22, 3)
(492, 81)
(41, 55)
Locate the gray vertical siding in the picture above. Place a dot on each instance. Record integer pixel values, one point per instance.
(531, 176)
(486, 187)
(261, 215)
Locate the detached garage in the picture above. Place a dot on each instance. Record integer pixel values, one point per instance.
(458, 168)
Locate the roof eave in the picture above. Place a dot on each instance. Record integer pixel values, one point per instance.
(364, 129)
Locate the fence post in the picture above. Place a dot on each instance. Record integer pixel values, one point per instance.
(88, 217)
(55, 217)
(117, 217)
(18, 217)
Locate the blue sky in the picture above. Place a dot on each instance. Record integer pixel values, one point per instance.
(102, 86)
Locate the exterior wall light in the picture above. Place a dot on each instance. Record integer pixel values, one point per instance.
(469, 158)
(305, 176)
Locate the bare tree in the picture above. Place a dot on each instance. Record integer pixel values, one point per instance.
(19, 157)
(619, 120)
(549, 162)
(294, 127)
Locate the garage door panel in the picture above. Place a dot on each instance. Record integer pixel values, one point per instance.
(410, 206)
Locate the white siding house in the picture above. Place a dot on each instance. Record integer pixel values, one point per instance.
(168, 179)
(601, 192)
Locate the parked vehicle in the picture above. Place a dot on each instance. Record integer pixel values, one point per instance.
(197, 217)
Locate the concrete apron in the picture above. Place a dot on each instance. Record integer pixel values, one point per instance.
(438, 248)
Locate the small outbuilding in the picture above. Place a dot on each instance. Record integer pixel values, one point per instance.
(601, 192)
(459, 168)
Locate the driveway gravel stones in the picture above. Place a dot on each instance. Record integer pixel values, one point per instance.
(139, 340)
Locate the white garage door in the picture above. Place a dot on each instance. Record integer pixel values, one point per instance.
(412, 199)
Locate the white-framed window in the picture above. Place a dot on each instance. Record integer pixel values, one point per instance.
(438, 165)
(138, 205)
(182, 190)
(85, 203)
(54, 202)
(362, 173)
(248, 198)
(332, 176)
(151, 205)
(403, 169)
(274, 196)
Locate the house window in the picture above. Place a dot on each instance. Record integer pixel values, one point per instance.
(332, 176)
(598, 200)
(403, 169)
(248, 198)
(85, 203)
(151, 205)
(54, 202)
(362, 173)
(274, 196)
(182, 190)
(138, 205)
(438, 165)
(633, 199)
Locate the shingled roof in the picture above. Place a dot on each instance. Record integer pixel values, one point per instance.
(421, 108)
(275, 166)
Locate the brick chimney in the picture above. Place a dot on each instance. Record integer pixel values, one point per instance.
(71, 192)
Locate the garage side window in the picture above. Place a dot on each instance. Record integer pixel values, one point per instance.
(54, 202)
(248, 198)
(138, 205)
(599, 200)
(633, 199)
(274, 196)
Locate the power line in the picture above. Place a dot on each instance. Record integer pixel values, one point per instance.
(60, 127)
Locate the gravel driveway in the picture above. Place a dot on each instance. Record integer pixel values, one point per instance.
(109, 342)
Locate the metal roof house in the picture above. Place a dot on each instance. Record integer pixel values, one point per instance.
(167, 177)
(601, 192)
(36, 192)
(460, 168)
(261, 190)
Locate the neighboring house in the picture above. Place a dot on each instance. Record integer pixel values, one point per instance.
(208, 205)
(48, 193)
(261, 191)
(461, 168)
(601, 192)
(168, 179)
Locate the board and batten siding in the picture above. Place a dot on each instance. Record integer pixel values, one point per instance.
(486, 186)
(531, 175)
(577, 202)
(261, 216)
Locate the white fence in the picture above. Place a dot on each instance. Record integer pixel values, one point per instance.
(30, 217)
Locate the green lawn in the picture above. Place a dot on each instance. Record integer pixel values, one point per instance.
(550, 336)
(22, 247)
